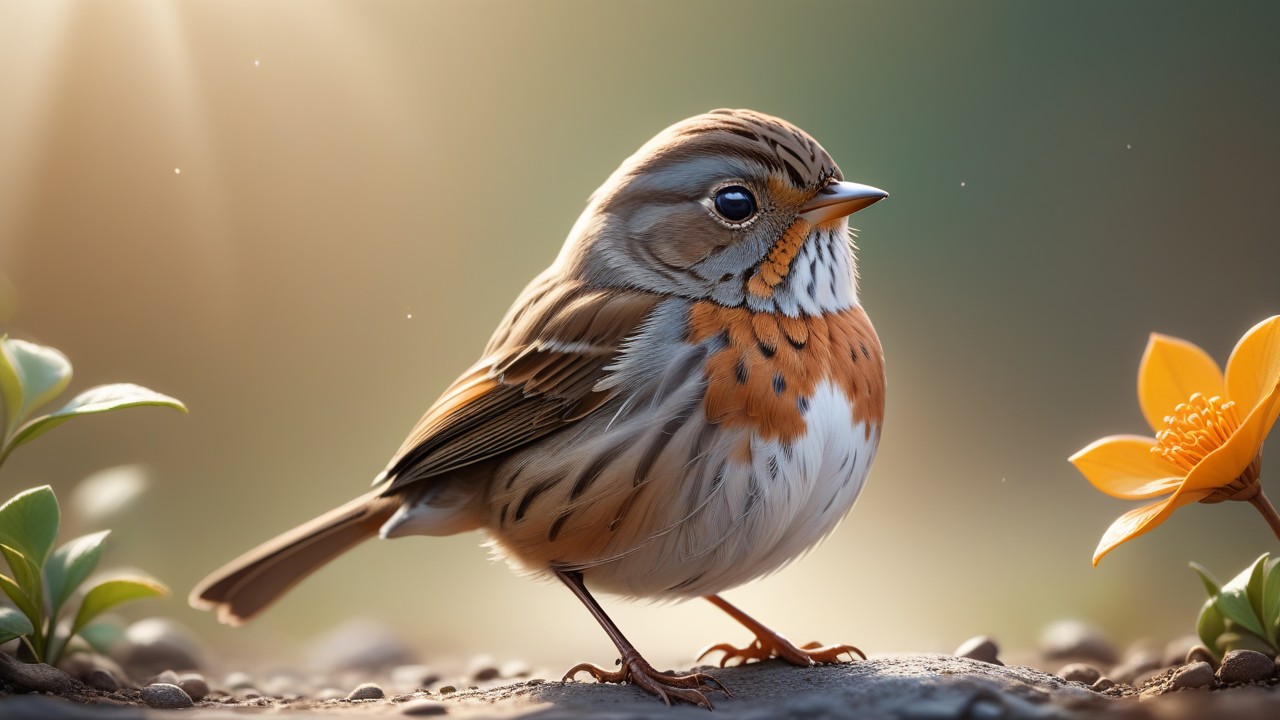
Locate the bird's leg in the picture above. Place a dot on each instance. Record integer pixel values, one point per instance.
(690, 688)
(769, 644)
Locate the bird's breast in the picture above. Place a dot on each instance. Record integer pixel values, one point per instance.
(764, 369)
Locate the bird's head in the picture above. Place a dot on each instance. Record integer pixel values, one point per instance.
(732, 205)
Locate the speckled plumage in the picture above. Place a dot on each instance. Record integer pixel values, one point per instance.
(681, 403)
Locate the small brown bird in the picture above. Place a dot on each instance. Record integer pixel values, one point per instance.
(689, 398)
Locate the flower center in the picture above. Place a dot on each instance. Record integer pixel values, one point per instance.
(1196, 428)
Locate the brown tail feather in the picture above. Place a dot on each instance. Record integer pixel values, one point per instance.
(249, 584)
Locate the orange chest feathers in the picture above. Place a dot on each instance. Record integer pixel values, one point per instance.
(766, 373)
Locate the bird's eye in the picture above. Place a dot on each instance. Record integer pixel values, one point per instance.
(735, 203)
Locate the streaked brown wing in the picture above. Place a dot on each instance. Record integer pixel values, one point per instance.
(538, 375)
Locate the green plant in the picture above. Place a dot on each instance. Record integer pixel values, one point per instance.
(31, 375)
(1243, 613)
(45, 579)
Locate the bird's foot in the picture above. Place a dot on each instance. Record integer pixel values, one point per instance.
(773, 645)
(691, 688)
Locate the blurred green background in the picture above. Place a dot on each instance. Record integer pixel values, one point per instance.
(304, 218)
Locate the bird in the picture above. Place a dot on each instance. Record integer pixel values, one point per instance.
(688, 398)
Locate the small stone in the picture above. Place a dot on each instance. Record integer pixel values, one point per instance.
(448, 689)
(1195, 675)
(1175, 651)
(1200, 653)
(194, 685)
(423, 708)
(535, 681)
(103, 680)
(1074, 639)
(239, 680)
(486, 673)
(168, 677)
(980, 648)
(367, 691)
(249, 693)
(1102, 684)
(1080, 672)
(33, 676)
(165, 696)
(1245, 666)
(154, 645)
(360, 644)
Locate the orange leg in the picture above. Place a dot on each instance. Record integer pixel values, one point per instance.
(691, 688)
(769, 644)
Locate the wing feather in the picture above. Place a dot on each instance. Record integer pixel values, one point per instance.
(539, 374)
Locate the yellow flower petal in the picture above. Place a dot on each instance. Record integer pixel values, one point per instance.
(1254, 367)
(1222, 466)
(1171, 370)
(1123, 466)
(1142, 520)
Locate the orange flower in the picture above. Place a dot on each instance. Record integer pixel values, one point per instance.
(1209, 431)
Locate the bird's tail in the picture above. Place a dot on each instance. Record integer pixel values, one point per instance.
(249, 584)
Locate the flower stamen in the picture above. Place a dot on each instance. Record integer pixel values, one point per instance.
(1196, 428)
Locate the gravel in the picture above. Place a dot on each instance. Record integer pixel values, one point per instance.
(165, 696)
(1195, 675)
(980, 648)
(1246, 666)
(367, 691)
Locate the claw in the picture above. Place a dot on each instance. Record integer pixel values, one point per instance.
(689, 688)
(762, 649)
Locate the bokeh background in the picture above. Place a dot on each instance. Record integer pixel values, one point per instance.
(304, 218)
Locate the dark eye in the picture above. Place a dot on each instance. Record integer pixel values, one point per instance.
(735, 203)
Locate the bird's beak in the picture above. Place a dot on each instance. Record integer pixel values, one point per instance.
(838, 200)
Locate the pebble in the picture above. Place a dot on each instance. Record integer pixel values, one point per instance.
(423, 708)
(1195, 675)
(103, 680)
(33, 676)
(1200, 653)
(1175, 651)
(194, 684)
(1102, 684)
(154, 645)
(448, 689)
(168, 677)
(980, 648)
(1243, 666)
(1075, 639)
(360, 644)
(1080, 672)
(165, 696)
(367, 691)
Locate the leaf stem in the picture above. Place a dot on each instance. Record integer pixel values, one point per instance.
(1268, 511)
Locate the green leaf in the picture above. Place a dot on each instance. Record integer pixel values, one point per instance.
(1271, 603)
(29, 523)
(1211, 584)
(1210, 626)
(1235, 605)
(110, 593)
(1254, 588)
(13, 624)
(102, 636)
(103, 398)
(30, 376)
(70, 565)
(20, 599)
